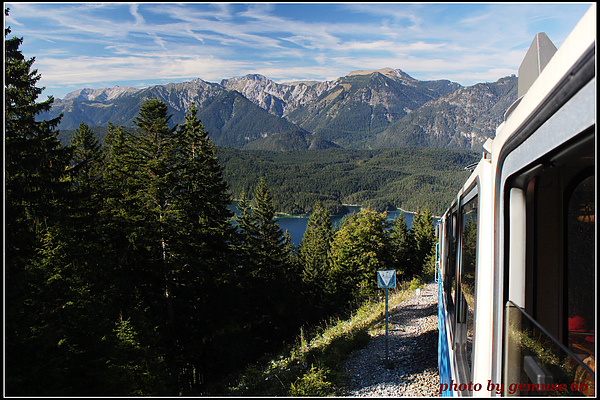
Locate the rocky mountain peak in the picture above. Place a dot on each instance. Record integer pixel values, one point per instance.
(106, 94)
(255, 81)
(395, 74)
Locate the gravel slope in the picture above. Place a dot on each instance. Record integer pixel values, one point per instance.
(412, 353)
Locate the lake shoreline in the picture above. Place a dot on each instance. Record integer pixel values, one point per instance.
(307, 215)
(296, 224)
(279, 214)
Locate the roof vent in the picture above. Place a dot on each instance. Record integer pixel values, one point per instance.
(539, 54)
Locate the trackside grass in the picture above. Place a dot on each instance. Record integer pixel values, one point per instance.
(313, 367)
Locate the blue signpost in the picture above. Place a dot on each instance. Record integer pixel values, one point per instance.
(386, 279)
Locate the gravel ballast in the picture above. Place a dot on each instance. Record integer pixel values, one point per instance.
(412, 349)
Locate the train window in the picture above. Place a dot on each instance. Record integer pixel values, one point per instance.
(551, 338)
(465, 300)
(450, 275)
(467, 270)
(580, 227)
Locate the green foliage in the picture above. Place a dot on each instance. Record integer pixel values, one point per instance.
(315, 367)
(312, 383)
(313, 257)
(339, 266)
(36, 185)
(359, 248)
(423, 242)
(401, 244)
(415, 284)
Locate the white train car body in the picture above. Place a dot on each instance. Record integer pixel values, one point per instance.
(516, 255)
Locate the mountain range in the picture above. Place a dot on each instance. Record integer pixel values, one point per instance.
(364, 109)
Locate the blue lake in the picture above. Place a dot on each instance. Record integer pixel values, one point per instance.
(296, 225)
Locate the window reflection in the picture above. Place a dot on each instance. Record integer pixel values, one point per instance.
(468, 265)
(581, 277)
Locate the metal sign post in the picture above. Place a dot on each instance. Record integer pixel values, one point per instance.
(386, 279)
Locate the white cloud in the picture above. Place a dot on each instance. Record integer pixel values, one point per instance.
(87, 43)
(91, 70)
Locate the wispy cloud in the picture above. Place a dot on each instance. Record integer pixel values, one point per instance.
(99, 43)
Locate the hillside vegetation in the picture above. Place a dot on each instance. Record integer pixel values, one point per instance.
(382, 179)
(128, 275)
(313, 365)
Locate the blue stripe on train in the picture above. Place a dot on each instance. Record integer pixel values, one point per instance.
(443, 350)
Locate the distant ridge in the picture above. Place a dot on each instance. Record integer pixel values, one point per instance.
(365, 109)
(106, 94)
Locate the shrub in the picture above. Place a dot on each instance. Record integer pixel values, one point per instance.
(415, 284)
(313, 383)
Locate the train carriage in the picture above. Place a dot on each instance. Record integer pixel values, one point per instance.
(516, 250)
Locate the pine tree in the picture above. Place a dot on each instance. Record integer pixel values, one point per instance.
(36, 188)
(400, 241)
(203, 248)
(154, 173)
(423, 241)
(35, 162)
(202, 194)
(88, 158)
(313, 257)
(270, 235)
(247, 230)
(268, 277)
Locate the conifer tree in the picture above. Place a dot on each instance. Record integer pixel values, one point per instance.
(203, 248)
(400, 241)
(269, 276)
(261, 237)
(313, 257)
(423, 240)
(88, 157)
(202, 194)
(153, 175)
(248, 231)
(315, 244)
(36, 188)
(35, 162)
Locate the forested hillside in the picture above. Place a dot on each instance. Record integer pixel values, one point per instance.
(386, 179)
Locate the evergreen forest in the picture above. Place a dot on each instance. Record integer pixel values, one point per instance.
(382, 179)
(126, 274)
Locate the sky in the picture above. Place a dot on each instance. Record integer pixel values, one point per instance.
(102, 45)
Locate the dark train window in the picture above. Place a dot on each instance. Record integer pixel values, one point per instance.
(581, 271)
